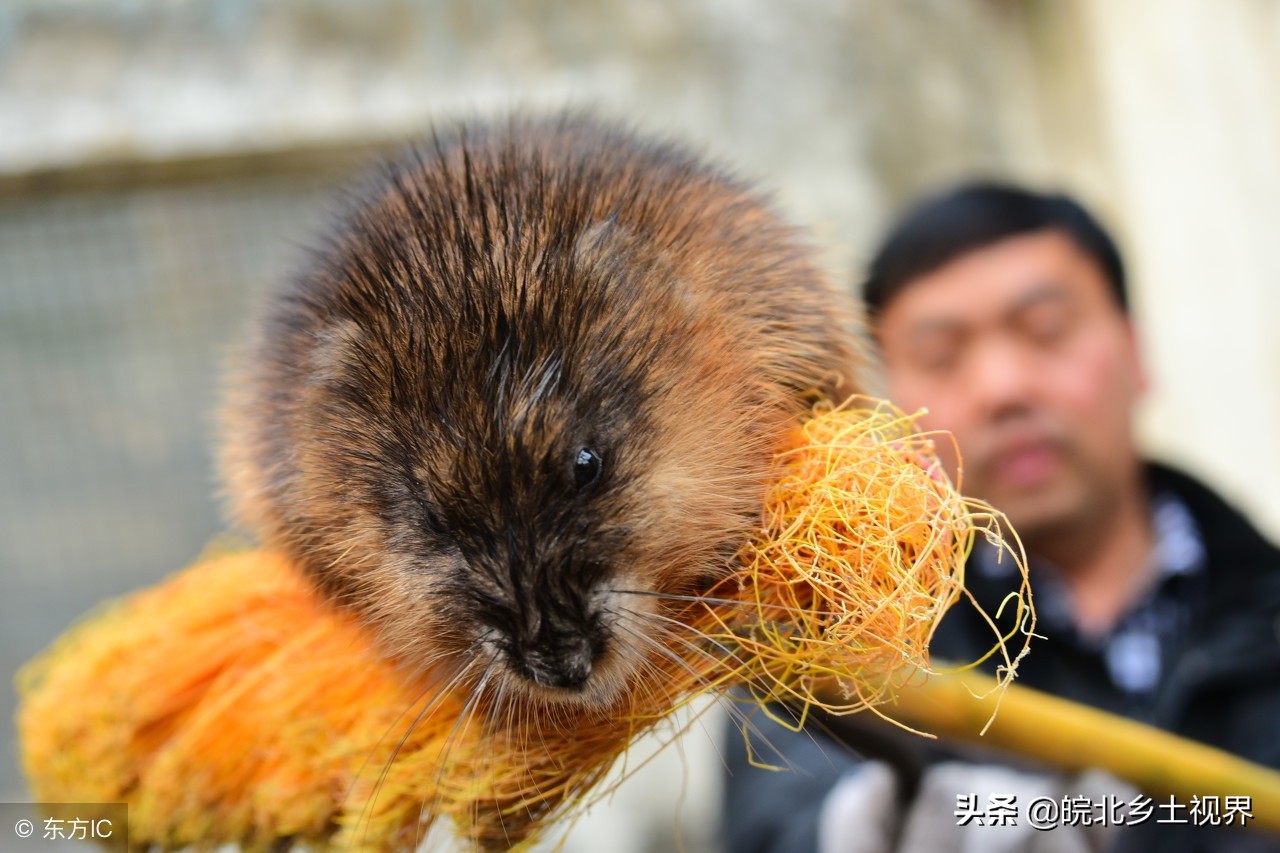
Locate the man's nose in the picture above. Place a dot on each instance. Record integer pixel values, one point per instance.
(1000, 375)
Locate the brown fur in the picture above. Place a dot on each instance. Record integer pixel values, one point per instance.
(405, 423)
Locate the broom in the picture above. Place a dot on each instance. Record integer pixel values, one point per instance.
(234, 704)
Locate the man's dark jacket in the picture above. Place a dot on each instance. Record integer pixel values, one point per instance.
(1221, 686)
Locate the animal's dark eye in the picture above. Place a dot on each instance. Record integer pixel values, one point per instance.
(433, 522)
(586, 467)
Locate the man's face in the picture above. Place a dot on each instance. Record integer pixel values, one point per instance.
(1020, 350)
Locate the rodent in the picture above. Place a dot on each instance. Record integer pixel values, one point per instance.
(531, 384)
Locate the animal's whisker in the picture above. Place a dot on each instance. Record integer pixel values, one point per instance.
(708, 599)
(441, 695)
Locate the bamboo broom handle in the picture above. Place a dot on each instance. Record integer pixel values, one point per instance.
(1073, 736)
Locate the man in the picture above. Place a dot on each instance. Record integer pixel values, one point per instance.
(1005, 314)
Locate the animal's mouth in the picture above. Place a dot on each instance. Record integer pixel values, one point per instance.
(587, 658)
(592, 693)
(579, 678)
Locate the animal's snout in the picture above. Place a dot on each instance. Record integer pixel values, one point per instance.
(565, 661)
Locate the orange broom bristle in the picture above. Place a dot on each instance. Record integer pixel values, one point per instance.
(233, 704)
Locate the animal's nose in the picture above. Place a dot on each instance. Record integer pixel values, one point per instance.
(565, 663)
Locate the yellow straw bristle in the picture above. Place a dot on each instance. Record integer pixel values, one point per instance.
(233, 704)
(861, 552)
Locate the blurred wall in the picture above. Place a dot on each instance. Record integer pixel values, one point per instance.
(160, 162)
(1189, 112)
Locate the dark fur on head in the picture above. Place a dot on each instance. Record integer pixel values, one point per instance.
(537, 373)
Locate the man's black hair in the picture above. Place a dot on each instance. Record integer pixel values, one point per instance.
(973, 216)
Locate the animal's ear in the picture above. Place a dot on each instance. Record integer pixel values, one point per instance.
(335, 351)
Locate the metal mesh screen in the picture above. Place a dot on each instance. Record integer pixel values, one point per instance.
(116, 309)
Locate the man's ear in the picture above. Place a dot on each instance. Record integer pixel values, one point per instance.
(1142, 379)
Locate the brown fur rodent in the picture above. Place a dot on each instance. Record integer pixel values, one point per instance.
(531, 385)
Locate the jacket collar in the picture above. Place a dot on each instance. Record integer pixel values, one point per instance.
(1242, 566)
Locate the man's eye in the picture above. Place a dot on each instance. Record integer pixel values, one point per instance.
(1046, 325)
(935, 351)
(937, 359)
(586, 467)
